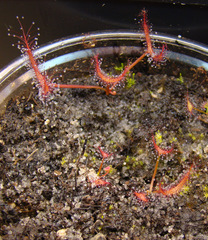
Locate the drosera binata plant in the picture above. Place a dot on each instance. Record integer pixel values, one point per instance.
(172, 189)
(104, 156)
(151, 51)
(143, 196)
(97, 180)
(175, 188)
(160, 152)
(110, 82)
(191, 107)
(27, 43)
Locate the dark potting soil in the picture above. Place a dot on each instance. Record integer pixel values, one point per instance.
(49, 153)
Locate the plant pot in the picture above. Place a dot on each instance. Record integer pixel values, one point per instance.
(50, 149)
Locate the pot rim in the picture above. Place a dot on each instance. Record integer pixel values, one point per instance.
(107, 35)
(7, 86)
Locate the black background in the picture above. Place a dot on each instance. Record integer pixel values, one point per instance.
(58, 19)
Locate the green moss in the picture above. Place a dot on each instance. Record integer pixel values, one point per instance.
(140, 151)
(173, 140)
(205, 191)
(132, 162)
(206, 194)
(85, 154)
(180, 78)
(111, 142)
(130, 81)
(135, 164)
(111, 207)
(82, 141)
(201, 136)
(119, 68)
(185, 190)
(94, 159)
(206, 107)
(127, 159)
(141, 163)
(180, 130)
(115, 146)
(158, 137)
(63, 161)
(192, 136)
(183, 159)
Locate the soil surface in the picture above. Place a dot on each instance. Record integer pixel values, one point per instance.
(50, 158)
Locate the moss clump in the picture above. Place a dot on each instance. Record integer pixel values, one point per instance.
(130, 81)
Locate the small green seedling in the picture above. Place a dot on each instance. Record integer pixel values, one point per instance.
(119, 68)
(205, 191)
(130, 81)
(158, 137)
(180, 78)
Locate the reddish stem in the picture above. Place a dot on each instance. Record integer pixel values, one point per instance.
(104, 156)
(154, 174)
(55, 85)
(160, 152)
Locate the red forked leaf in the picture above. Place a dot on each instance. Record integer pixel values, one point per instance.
(190, 106)
(107, 170)
(141, 196)
(177, 188)
(160, 57)
(157, 57)
(160, 150)
(111, 81)
(106, 79)
(100, 182)
(104, 154)
(26, 43)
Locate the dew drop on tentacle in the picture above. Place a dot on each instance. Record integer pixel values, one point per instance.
(150, 60)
